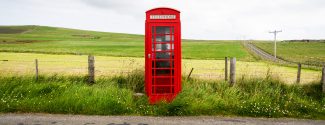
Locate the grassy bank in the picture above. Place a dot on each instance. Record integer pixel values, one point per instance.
(54, 40)
(114, 96)
(312, 53)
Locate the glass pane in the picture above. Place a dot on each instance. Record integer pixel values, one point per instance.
(165, 38)
(153, 30)
(162, 55)
(158, 47)
(162, 64)
(162, 30)
(163, 47)
(152, 41)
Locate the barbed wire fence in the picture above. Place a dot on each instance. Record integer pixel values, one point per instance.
(208, 69)
(102, 67)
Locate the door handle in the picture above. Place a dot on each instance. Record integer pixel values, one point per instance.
(149, 55)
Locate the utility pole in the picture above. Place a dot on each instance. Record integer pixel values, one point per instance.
(275, 32)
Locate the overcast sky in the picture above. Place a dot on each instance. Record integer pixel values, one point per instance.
(201, 19)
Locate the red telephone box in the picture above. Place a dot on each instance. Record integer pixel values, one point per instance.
(162, 54)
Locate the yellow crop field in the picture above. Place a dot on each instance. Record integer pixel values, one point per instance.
(24, 64)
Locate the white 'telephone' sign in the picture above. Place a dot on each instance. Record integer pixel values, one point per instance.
(162, 16)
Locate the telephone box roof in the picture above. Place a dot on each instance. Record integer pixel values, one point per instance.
(167, 8)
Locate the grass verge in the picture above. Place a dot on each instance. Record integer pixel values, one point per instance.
(266, 97)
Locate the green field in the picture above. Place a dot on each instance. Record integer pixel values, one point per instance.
(41, 39)
(308, 53)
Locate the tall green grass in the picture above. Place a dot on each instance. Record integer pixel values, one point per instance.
(114, 96)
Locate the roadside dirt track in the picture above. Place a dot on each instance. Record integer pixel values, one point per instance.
(264, 55)
(57, 119)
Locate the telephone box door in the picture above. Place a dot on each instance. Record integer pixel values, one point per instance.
(162, 58)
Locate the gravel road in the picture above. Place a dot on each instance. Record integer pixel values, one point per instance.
(261, 53)
(57, 119)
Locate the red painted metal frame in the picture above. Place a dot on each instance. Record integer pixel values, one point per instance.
(151, 80)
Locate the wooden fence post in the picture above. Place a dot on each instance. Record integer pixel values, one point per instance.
(189, 75)
(299, 73)
(36, 69)
(232, 80)
(226, 68)
(91, 69)
(323, 78)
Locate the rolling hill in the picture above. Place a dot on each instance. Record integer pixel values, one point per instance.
(54, 40)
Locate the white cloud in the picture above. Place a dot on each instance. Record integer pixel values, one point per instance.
(208, 19)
